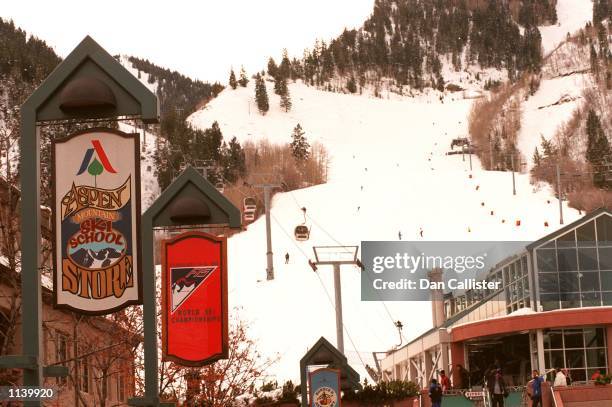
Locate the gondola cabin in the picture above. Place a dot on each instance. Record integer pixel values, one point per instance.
(249, 204)
(302, 233)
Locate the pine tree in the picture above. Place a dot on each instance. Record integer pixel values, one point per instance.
(440, 83)
(261, 95)
(285, 102)
(272, 68)
(351, 86)
(300, 148)
(594, 61)
(243, 81)
(278, 83)
(234, 161)
(602, 35)
(548, 148)
(602, 9)
(232, 80)
(537, 158)
(284, 69)
(598, 147)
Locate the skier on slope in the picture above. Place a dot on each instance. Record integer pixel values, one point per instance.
(287, 258)
(399, 235)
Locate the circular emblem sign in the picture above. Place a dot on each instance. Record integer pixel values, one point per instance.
(325, 397)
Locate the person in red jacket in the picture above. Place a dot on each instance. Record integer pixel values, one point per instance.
(596, 375)
(444, 381)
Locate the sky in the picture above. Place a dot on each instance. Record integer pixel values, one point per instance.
(201, 39)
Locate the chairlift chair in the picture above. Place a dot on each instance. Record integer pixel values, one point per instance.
(249, 204)
(220, 187)
(460, 141)
(249, 216)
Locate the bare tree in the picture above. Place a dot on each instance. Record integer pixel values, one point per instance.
(223, 382)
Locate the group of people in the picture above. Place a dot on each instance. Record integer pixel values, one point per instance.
(534, 387)
(496, 385)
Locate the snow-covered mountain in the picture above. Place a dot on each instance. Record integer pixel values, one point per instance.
(394, 149)
(389, 174)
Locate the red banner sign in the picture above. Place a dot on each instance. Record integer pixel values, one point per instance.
(194, 299)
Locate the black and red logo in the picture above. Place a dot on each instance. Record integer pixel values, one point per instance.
(185, 281)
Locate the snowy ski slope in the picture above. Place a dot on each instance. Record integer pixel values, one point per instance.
(396, 151)
(571, 15)
(389, 174)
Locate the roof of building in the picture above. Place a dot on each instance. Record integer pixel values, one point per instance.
(589, 216)
(449, 322)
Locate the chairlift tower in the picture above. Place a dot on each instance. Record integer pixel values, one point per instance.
(204, 166)
(336, 256)
(267, 188)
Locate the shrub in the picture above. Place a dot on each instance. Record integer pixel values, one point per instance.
(383, 392)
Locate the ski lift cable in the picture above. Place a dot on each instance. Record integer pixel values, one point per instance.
(345, 327)
(313, 220)
(393, 320)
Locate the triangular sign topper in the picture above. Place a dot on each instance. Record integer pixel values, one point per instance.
(185, 281)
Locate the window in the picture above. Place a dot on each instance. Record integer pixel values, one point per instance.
(581, 350)
(84, 374)
(120, 386)
(577, 266)
(107, 385)
(61, 353)
(604, 231)
(547, 260)
(587, 259)
(585, 235)
(516, 280)
(567, 259)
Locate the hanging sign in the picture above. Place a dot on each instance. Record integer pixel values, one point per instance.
(324, 387)
(194, 299)
(96, 221)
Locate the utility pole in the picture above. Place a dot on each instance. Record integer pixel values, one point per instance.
(491, 151)
(513, 181)
(469, 154)
(336, 256)
(559, 194)
(338, 303)
(267, 188)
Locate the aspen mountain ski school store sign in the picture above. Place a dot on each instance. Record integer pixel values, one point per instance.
(96, 221)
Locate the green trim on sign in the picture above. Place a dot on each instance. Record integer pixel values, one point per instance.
(192, 177)
(89, 49)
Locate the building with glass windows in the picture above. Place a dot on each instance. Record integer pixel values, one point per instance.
(554, 310)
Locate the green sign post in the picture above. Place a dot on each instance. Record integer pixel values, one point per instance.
(189, 201)
(88, 86)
